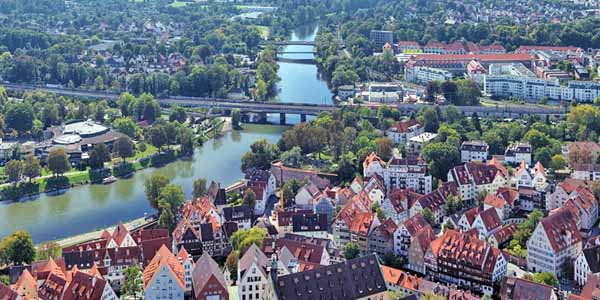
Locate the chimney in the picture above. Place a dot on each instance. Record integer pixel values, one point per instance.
(93, 281)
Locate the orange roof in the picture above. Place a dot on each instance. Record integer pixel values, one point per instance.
(494, 201)
(26, 277)
(362, 222)
(495, 162)
(164, 257)
(480, 57)
(372, 158)
(400, 278)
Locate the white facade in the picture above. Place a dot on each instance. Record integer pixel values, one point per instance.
(252, 284)
(541, 257)
(164, 286)
(422, 74)
(582, 270)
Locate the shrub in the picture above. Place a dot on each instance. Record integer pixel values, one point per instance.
(97, 175)
(123, 169)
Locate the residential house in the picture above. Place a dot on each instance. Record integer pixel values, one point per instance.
(7, 293)
(26, 286)
(554, 241)
(400, 281)
(399, 173)
(466, 261)
(474, 179)
(563, 191)
(204, 217)
(306, 194)
(406, 232)
(518, 152)
(474, 151)
(586, 264)
(342, 224)
(241, 215)
(83, 286)
(187, 261)
(530, 199)
(311, 224)
(164, 277)
(325, 206)
(502, 237)
(418, 248)
(466, 221)
(522, 289)
(381, 240)
(53, 286)
(435, 201)
(403, 131)
(396, 205)
(252, 274)
(535, 178)
(264, 184)
(585, 206)
(208, 280)
(359, 278)
(487, 223)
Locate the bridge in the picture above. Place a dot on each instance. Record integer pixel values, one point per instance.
(287, 43)
(302, 109)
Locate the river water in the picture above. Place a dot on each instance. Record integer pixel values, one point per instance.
(86, 208)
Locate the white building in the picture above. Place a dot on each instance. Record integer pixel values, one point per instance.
(588, 262)
(554, 241)
(417, 143)
(474, 151)
(252, 274)
(423, 74)
(403, 131)
(399, 173)
(474, 179)
(385, 92)
(164, 277)
(518, 152)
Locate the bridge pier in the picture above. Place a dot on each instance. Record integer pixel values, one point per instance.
(302, 118)
(282, 118)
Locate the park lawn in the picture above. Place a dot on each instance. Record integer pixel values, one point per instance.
(79, 178)
(150, 149)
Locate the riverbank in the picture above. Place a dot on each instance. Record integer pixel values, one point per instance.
(80, 238)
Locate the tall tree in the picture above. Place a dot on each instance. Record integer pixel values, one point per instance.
(153, 186)
(58, 161)
(98, 156)
(14, 170)
(18, 248)
(199, 188)
(133, 281)
(250, 198)
(123, 148)
(32, 167)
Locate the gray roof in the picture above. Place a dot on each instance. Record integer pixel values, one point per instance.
(354, 279)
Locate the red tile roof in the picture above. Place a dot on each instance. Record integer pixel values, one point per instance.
(85, 287)
(404, 125)
(6, 293)
(490, 219)
(561, 229)
(362, 222)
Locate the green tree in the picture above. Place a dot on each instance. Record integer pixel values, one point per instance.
(199, 188)
(14, 170)
(166, 218)
(231, 263)
(292, 157)
(546, 278)
(19, 116)
(178, 114)
(32, 167)
(185, 137)
(260, 156)
(18, 248)
(157, 137)
(236, 118)
(123, 147)
(429, 216)
(244, 238)
(133, 281)
(249, 198)
(385, 148)
(58, 161)
(351, 251)
(49, 250)
(153, 186)
(98, 156)
(441, 157)
(173, 195)
(127, 126)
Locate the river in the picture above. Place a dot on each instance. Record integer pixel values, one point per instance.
(86, 208)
